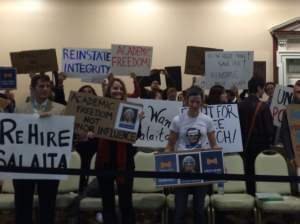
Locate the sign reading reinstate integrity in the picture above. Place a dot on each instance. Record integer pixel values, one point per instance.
(90, 64)
(105, 117)
(29, 141)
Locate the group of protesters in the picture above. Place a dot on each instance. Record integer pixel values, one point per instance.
(47, 97)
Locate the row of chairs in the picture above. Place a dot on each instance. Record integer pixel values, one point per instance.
(147, 197)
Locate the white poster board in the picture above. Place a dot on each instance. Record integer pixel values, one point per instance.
(228, 68)
(158, 115)
(29, 141)
(282, 96)
(91, 65)
(128, 59)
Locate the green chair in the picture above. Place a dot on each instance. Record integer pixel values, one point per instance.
(146, 197)
(235, 197)
(274, 164)
(68, 188)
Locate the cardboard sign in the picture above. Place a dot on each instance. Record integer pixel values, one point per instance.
(91, 65)
(105, 117)
(293, 115)
(158, 115)
(128, 59)
(8, 78)
(29, 141)
(209, 161)
(195, 59)
(260, 70)
(34, 61)
(281, 98)
(228, 69)
(147, 80)
(173, 79)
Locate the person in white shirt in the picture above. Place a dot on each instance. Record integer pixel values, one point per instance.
(189, 131)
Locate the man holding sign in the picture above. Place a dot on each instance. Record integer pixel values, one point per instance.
(189, 131)
(40, 105)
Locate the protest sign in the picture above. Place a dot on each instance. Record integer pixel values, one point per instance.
(227, 125)
(29, 141)
(195, 59)
(173, 77)
(105, 117)
(293, 115)
(259, 69)
(228, 69)
(158, 115)
(34, 61)
(8, 79)
(90, 65)
(282, 96)
(128, 59)
(208, 161)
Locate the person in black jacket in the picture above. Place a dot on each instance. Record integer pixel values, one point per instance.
(256, 127)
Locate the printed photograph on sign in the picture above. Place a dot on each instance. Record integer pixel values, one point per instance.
(128, 117)
(166, 163)
(212, 162)
(189, 163)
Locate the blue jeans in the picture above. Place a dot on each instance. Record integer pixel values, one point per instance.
(181, 199)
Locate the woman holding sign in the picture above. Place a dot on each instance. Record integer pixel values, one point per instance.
(188, 131)
(116, 156)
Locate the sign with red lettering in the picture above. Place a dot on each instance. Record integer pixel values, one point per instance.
(281, 98)
(128, 59)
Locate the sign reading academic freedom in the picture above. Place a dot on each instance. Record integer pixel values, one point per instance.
(29, 141)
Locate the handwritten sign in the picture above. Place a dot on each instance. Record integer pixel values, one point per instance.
(210, 161)
(281, 98)
(34, 61)
(195, 59)
(28, 141)
(293, 115)
(89, 64)
(105, 117)
(127, 59)
(158, 115)
(227, 125)
(8, 79)
(228, 69)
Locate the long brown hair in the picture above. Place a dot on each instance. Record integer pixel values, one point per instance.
(107, 92)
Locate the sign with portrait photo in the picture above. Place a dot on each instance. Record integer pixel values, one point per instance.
(8, 78)
(128, 117)
(206, 161)
(104, 116)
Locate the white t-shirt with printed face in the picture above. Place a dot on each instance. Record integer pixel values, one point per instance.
(192, 131)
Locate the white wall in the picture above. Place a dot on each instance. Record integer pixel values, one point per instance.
(168, 25)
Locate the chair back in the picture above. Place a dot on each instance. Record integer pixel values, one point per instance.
(271, 163)
(144, 162)
(72, 182)
(233, 164)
